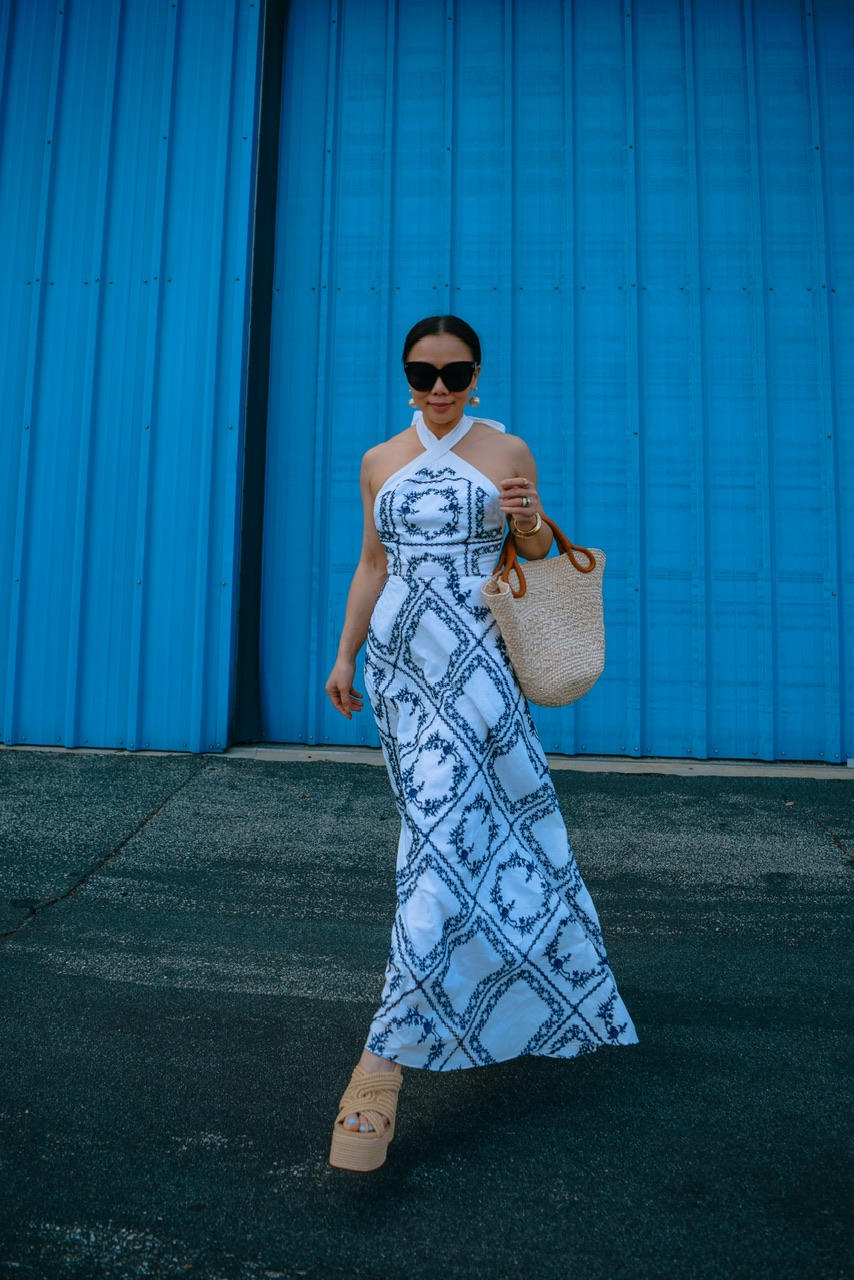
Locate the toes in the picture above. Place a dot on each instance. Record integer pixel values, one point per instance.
(351, 1122)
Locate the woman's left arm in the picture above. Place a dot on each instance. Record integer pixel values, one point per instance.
(520, 501)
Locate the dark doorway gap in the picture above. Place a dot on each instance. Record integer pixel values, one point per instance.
(246, 718)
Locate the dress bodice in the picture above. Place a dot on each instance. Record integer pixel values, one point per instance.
(439, 514)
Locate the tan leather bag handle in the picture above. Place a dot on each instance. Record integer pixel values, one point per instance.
(508, 561)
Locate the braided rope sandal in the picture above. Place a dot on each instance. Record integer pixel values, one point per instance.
(374, 1094)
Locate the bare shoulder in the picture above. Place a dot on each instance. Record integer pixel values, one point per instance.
(504, 444)
(383, 459)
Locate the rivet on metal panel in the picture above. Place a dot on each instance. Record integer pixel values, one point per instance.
(225, 584)
(139, 582)
(584, 746)
(26, 426)
(824, 286)
(634, 286)
(231, 426)
(147, 426)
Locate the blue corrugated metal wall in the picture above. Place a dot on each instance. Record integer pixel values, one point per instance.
(646, 211)
(127, 150)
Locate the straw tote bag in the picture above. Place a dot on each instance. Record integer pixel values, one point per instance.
(551, 623)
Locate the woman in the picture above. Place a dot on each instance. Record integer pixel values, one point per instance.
(496, 949)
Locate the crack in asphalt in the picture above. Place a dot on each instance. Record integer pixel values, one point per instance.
(847, 853)
(40, 907)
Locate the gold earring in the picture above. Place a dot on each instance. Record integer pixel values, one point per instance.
(411, 403)
(473, 399)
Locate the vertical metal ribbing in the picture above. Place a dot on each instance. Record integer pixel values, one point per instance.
(700, 640)
(88, 407)
(765, 737)
(568, 284)
(834, 693)
(635, 576)
(445, 282)
(5, 53)
(509, 285)
(148, 425)
(386, 283)
(318, 584)
(11, 732)
(236, 394)
(210, 425)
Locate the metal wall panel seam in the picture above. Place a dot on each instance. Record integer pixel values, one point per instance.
(388, 219)
(5, 54)
(443, 285)
(571, 725)
(208, 527)
(701, 693)
(511, 222)
(19, 584)
(765, 740)
(833, 582)
(635, 727)
(326, 339)
(148, 425)
(237, 391)
(79, 542)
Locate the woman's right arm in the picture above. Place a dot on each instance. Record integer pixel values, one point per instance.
(371, 573)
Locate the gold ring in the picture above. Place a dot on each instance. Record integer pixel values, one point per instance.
(525, 483)
(526, 502)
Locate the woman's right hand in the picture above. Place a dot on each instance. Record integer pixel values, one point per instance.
(339, 686)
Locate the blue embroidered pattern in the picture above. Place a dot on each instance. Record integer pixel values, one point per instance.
(496, 948)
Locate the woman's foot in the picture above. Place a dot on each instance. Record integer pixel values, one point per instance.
(364, 1125)
(370, 1062)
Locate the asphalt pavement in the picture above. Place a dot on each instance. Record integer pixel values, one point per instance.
(192, 948)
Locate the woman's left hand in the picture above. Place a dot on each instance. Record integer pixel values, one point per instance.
(519, 499)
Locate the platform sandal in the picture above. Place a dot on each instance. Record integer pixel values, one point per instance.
(374, 1095)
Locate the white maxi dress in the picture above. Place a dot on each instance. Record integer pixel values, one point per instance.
(496, 948)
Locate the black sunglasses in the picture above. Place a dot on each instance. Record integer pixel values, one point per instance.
(455, 376)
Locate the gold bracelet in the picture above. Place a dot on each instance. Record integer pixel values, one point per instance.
(525, 533)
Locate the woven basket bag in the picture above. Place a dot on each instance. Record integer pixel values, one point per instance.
(552, 623)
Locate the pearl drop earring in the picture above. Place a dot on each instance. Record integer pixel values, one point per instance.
(411, 403)
(473, 399)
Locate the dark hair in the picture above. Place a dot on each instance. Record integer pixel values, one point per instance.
(443, 324)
